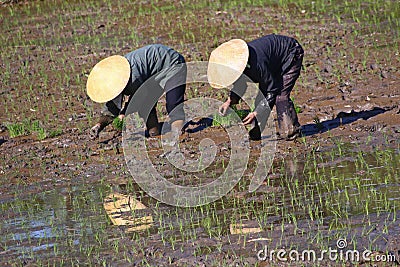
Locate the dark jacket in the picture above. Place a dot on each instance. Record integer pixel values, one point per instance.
(269, 58)
(148, 61)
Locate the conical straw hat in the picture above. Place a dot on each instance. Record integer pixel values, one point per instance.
(108, 79)
(227, 62)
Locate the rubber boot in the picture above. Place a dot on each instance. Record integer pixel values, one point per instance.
(152, 125)
(289, 126)
(255, 132)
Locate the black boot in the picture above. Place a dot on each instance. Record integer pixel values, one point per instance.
(255, 133)
(289, 126)
(152, 124)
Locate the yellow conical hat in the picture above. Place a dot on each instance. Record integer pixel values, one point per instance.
(227, 62)
(108, 79)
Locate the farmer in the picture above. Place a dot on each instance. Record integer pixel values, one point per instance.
(115, 80)
(273, 61)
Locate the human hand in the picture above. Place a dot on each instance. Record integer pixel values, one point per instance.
(95, 131)
(249, 118)
(224, 107)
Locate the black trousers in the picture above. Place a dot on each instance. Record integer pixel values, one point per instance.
(144, 101)
(287, 117)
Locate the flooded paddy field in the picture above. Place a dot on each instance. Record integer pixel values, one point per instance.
(335, 188)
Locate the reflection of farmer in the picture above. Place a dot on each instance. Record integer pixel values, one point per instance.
(116, 79)
(273, 61)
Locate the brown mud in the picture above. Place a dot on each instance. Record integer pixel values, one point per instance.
(55, 182)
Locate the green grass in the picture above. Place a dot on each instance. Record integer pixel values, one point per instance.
(314, 201)
(27, 127)
(297, 108)
(118, 123)
(230, 118)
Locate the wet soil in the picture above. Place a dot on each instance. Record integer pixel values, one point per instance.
(342, 99)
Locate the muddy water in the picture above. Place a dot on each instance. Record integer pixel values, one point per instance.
(49, 225)
(298, 206)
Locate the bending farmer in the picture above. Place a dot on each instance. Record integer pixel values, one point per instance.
(273, 61)
(116, 79)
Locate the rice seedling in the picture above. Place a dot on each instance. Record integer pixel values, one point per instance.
(28, 127)
(118, 123)
(230, 118)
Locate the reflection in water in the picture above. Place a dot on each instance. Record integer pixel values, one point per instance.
(42, 222)
(123, 210)
(73, 221)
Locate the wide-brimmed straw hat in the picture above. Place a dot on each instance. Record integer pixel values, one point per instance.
(108, 79)
(227, 62)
